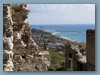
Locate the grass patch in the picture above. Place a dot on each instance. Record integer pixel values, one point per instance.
(56, 60)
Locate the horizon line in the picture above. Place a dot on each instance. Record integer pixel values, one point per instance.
(62, 24)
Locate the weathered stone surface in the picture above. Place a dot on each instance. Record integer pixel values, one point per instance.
(74, 57)
(20, 50)
(8, 45)
(91, 49)
(7, 55)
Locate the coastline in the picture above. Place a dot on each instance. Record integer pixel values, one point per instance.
(53, 32)
(67, 38)
(55, 36)
(75, 32)
(78, 38)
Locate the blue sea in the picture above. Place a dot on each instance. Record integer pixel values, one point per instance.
(75, 32)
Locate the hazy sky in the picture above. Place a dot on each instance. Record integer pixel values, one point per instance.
(61, 14)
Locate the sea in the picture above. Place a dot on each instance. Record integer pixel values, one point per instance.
(73, 32)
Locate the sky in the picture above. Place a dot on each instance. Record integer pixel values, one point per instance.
(46, 14)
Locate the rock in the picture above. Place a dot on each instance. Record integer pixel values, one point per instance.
(9, 33)
(8, 45)
(7, 55)
(79, 55)
(45, 60)
(20, 45)
(17, 35)
(82, 60)
(10, 65)
(7, 22)
(30, 56)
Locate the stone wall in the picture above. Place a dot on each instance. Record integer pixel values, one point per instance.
(74, 58)
(20, 52)
(90, 49)
(78, 58)
(7, 38)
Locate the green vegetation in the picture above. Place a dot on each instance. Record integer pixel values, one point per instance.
(41, 49)
(56, 60)
(82, 42)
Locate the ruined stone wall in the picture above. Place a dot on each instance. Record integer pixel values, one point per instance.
(7, 38)
(69, 57)
(90, 49)
(20, 52)
(81, 59)
(73, 57)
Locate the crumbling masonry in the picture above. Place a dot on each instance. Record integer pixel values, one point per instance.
(20, 52)
(78, 58)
